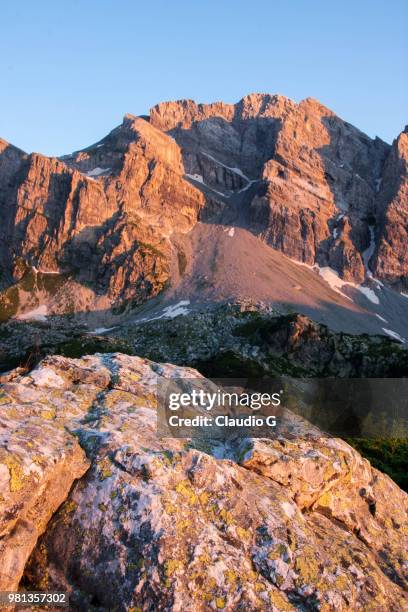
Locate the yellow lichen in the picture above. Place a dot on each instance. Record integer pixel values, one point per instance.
(17, 477)
(184, 489)
(105, 468)
(230, 577)
(49, 415)
(203, 498)
(226, 516)
(341, 583)
(307, 567)
(243, 534)
(220, 603)
(280, 602)
(171, 566)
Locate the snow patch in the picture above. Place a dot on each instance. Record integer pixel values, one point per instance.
(331, 277)
(404, 294)
(369, 293)
(235, 170)
(381, 318)
(199, 179)
(393, 334)
(37, 314)
(97, 171)
(101, 330)
(170, 312)
(196, 177)
(247, 186)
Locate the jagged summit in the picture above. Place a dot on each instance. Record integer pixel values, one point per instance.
(123, 219)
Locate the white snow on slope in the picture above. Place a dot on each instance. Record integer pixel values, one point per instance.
(381, 318)
(247, 186)
(338, 284)
(235, 170)
(100, 330)
(170, 312)
(196, 177)
(199, 179)
(332, 278)
(369, 293)
(404, 294)
(393, 334)
(231, 232)
(37, 314)
(97, 171)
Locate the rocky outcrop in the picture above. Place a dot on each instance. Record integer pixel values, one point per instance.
(178, 524)
(242, 341)
(39, 462)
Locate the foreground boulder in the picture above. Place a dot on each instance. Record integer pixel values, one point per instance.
(166, 524)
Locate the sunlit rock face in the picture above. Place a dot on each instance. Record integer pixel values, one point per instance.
(315, 179)
(105, 219)
(156, 523)
(391, 258)
(101, 217)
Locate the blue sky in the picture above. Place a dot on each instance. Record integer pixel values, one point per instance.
(70, 69)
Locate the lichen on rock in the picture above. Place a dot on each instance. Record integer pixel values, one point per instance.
(287, 524)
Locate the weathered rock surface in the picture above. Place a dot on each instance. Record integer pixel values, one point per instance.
(171, 524)
(39, 461)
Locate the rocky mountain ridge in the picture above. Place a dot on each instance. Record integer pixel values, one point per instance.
(106, 221)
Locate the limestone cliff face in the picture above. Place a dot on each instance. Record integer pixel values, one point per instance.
(317, 176)
(102, 216)
(391, 259)
(296, 175)
(172, 524)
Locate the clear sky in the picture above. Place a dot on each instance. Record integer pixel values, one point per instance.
(70, 69)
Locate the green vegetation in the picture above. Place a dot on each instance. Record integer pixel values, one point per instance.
(259, 327)
(229, 364)
(88, 345)
(9, 302)
(387, 455)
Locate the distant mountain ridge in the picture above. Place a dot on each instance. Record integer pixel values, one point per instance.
(110, 222)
